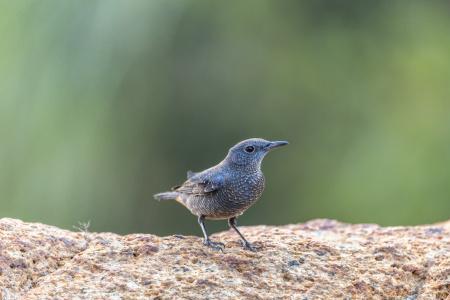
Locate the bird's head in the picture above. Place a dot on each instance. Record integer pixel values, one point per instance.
(250, 153)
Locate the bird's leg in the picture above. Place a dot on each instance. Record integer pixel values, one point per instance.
(207, 241)
(232, 222)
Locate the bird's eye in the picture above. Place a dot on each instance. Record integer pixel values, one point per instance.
(249, 149)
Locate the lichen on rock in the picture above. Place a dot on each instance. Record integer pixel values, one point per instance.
(321, 259)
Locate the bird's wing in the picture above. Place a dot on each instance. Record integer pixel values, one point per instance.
(201, 185)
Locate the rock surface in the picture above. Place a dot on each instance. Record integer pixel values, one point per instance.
(321, 259)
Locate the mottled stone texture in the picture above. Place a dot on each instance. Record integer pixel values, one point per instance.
(320, 259)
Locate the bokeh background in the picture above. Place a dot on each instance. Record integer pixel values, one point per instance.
(104, 103)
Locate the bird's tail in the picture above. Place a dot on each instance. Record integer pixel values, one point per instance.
(166, 196)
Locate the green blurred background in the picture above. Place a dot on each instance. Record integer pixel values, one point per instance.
(104, 103)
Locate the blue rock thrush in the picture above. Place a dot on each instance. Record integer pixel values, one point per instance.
(226, 190)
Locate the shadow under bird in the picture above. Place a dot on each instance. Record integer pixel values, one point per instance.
(226, 190)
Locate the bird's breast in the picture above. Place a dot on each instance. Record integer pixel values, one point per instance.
(246, 188)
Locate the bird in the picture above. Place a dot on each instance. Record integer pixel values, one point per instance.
(226, 190)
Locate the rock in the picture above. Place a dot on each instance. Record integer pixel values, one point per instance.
(321, 259)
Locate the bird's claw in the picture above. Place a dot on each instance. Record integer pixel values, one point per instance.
(247, 246)
(214, 245)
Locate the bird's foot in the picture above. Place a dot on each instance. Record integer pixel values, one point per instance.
(247, 246)
(214, 245)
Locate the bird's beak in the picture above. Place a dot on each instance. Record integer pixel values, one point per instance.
(275, 144)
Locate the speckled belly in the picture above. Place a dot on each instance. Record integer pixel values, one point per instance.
(226, 203)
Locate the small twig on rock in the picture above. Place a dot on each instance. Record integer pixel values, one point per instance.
(83, 226)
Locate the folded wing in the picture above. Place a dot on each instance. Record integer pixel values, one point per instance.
(201, 185)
